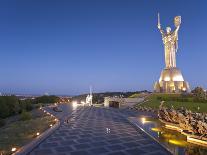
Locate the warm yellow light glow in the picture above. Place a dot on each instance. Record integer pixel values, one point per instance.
(156, 129)
(196, 141)
(143, 120)
(55, 119)
(167, 78)
(13, 149)
(173, 127)
(178, 78)
(177, 142)
(167, 136)
(50, 125)
(75, 104)
(184, 89)
(37, 133)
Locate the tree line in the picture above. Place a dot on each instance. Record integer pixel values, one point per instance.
(11, 105)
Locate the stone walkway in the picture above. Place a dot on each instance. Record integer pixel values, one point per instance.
(94, 131)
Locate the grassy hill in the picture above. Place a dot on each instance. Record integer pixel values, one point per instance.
(175, 100)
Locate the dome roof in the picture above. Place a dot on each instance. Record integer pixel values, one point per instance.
(171, 74)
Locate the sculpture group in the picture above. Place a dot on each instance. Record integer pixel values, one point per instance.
(193, 123)
(171, 79)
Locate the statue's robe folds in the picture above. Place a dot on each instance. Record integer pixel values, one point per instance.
(170, 45)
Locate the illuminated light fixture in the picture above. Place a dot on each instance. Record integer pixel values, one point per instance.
(184, 89)
(156, 129)
(75, 104)
(167, 78)
(13, 149)
(173, 127)
(37, 133)
(177, 142)
(50, 125)
(143, 120)
(196, 141)
(55, 119)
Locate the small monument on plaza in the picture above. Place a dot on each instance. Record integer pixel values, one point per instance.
(171, 79)
(89, 98)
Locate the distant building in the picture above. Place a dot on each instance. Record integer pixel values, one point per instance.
(119, 102)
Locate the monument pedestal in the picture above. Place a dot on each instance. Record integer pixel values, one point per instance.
(171, 81)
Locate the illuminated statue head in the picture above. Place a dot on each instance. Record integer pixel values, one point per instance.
(168, 29)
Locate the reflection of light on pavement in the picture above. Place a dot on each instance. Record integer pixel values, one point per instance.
(107, 130)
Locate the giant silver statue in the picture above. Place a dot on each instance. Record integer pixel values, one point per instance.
(170, 41)
(171, 79)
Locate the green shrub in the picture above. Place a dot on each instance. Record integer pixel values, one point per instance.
(25, 105)
(199, 93)
(47, 99)
(25, 116)
(9, 105)
(2, 122)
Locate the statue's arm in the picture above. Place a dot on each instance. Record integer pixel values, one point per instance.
(161, 30)
(176, 37)
(159, 26)
(176, 30)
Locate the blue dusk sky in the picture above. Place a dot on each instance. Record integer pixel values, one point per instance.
(64, 46)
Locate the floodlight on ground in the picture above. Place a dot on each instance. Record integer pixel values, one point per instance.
(13, 149)
(143, 120)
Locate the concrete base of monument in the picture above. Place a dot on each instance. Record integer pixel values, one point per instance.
(171, 81)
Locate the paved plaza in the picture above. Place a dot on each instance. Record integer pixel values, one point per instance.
(91, 130)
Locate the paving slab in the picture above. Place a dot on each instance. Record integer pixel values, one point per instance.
(94, 131)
